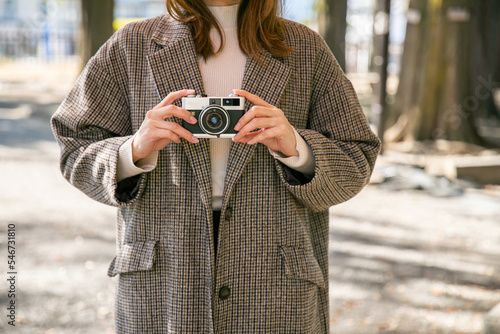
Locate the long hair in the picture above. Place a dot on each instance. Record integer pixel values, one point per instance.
(259, 26)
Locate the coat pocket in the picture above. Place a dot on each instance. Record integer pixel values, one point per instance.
(300, 264)
(135, 256)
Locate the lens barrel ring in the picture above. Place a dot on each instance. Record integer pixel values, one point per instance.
(206, 112)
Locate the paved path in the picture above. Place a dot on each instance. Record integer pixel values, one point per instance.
(400, 262)
(405, 262)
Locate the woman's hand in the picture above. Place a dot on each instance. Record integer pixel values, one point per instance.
(155, 132)
(275, 130)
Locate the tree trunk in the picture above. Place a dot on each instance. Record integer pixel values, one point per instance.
(401, 112)
(332, 26)
(97, 26)
(486, 54)
(380, 61)
(436, 96)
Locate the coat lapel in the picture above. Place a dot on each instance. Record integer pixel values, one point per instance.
(266, 79)
(174, 64)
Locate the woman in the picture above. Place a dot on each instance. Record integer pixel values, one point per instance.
(214, 235)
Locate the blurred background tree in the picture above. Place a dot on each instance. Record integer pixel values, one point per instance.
(97, 26)
(332, 26)
(448, 69)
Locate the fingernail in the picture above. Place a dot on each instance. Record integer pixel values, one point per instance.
(237, 126)
(192, 120)
(195, 140)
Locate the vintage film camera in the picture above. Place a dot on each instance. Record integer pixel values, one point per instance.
(217, 116)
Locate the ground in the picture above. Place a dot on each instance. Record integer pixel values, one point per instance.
(402, 260)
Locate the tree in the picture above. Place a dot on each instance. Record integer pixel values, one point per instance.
(442, 91)
(487, 50)
(97, 26)
(332, 26)
(380, 61)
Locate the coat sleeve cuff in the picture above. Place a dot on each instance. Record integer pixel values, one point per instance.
(304, 162)
(126, 167)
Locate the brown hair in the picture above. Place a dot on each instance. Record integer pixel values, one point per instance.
(258, 26)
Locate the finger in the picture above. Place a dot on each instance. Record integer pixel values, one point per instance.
(156, 135)
(174, 96)
(178, 130)
(156, 130)
(170, 111)
(247, 137)
(167, 134)
(254, 99)
(256, 123)
(254, 112)
(269, 133)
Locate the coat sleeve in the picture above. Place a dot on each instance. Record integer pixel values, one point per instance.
(90, 126)
(338, 132)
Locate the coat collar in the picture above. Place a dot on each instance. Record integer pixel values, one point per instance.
(169, 31)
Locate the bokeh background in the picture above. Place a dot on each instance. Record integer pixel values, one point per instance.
(416, 252)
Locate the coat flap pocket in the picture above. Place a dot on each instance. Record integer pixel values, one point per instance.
(135, 256)
(300, 264)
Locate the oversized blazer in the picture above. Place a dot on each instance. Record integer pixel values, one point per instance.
(270, 273)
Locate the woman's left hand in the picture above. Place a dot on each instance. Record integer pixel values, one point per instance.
(275, 130)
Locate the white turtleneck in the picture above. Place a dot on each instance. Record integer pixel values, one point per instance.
(221, 74)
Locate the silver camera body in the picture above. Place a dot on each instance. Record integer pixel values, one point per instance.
(217, 116)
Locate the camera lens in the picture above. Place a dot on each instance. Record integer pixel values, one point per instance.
(214, 120)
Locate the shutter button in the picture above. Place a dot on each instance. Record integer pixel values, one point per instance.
(224, 293)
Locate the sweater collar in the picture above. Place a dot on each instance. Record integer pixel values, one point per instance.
(169, 30)
(227, 16)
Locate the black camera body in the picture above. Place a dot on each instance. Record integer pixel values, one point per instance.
(217, 116)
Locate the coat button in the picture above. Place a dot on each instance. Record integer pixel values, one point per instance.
(224, 293)
(228, 214)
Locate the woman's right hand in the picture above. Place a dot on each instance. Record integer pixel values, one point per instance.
(156, 132)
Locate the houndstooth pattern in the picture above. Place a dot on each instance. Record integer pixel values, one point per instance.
(273, 238)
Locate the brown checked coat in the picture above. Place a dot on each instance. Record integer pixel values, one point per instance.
(270, 274)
